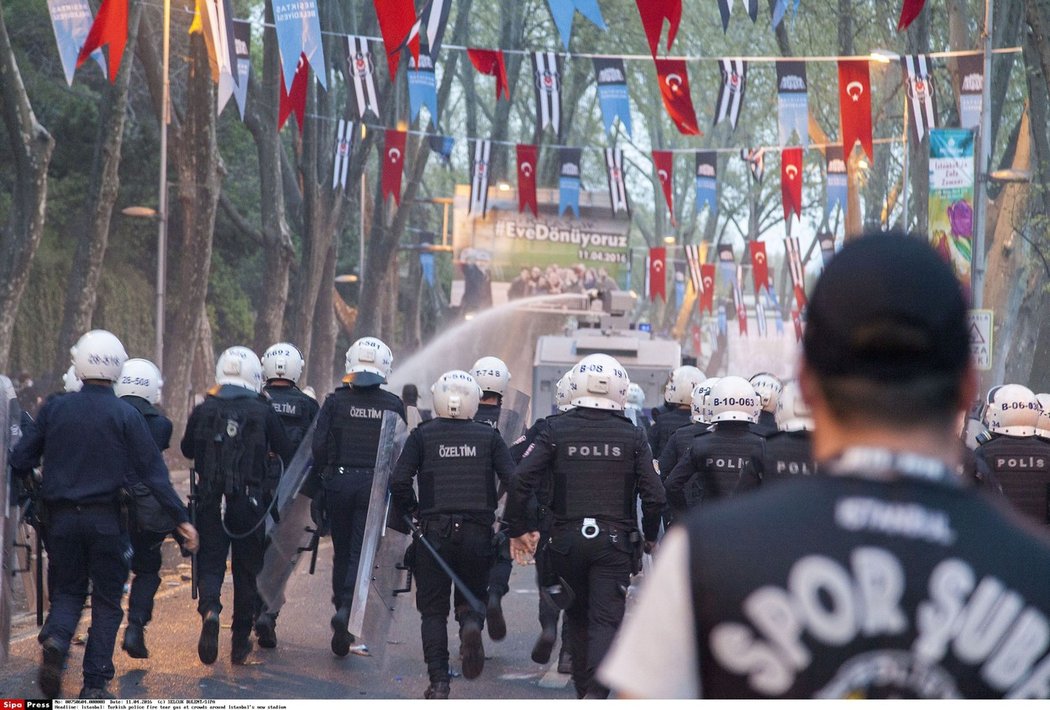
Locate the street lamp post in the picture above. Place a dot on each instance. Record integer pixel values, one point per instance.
(984, 158)
(162, 188)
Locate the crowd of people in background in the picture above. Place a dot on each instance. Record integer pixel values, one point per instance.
(536, 281)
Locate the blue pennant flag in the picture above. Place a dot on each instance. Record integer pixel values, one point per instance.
(562, 12)
(72, 21)
(422, 87)
(792, 102)
(442, 145)
(707, 181)
(569, 180)
(299, 32)
(781, 8)
(242, 39)
(426, 262)
(679, 283)
(723, 323)
(612, 93)
(838, 183)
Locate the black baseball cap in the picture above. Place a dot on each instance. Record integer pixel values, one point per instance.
(887, 306)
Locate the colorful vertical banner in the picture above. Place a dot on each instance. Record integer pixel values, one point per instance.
(654, 13)
(855, 105)
(527, 155)
(692, 260)
(362, 73)
(422, 87)
(731, 92)
(951, 198)
(546, 71)
(971, 90)
(562, 11)
(837, 180)
(612, 93)
(344, 142)
(479, 181)
(663, 163)
(707, 296)
(109, 28)
(921, 97)
(791, 181)
(242, 43)
(299, 33)
(792, 102)
(617, 187)
(394, 164)
(707, 181)
(673, 79)
(71, 21)
(569, 180)
(759, 265)
(658, 273)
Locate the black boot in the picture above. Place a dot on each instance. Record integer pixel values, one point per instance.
(135, 641)
(438, 690)
(87, 693)
(494, 617)
(266, 631)
(341, 638)
(50, 676)
(241, 649)
(208, 643)
(565, 661)
(541, 651)
(470, 649)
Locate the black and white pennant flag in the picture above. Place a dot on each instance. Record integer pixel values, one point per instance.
(731, 92)
(798, 274)
(548, 91)
(692, 260)
(362, 71)
(617, 188)
(431, 23)
(344, 142)
(756, 160)
(922, 100)
(479, 180)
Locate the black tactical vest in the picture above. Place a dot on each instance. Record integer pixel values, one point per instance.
(488, 414)
(1021, 465)
(664, 427)
(295, 409)
(457, 474)
(766, 425)
(594, 466)
(230, 445)
(789, 453)
(357, 419)
(727, 461)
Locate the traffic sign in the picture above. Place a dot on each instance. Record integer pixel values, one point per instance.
(980, 327)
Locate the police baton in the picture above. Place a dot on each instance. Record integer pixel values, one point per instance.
(193, 521)
(472, 600)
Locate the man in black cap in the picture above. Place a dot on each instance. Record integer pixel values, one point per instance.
(887, 577)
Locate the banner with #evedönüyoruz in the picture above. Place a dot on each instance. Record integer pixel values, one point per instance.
(951, 198)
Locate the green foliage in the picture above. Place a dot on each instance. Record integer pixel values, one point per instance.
(229, 307)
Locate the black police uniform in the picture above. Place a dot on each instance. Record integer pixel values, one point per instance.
(145, 544)
(665, 425)
(232, 437)
(600, 463)
(788, 453)
(345, 443)
(92, 444)
(456, 463)
(1021, 466)
(678, 445)
(720, 464)
(766, 424)
(295, 408)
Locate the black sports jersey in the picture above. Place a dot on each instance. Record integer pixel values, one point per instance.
(1021, 466)
(788, 453)
(847, 587)
(723, 463)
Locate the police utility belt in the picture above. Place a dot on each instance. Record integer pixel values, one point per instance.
(590, 528)
(349, 471)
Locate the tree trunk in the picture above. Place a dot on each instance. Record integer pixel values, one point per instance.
(92, 231)
(31, 146)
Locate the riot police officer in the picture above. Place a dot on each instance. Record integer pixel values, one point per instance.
(729, 459)
(493, 377)
(769, 388)
(600, 464)
(634, 409)
(1015, 456)
(789, 451)
(678, 395)
(345, 443)
(239, 449)
(682, 438)
(282, 366)
(92, 444)
(139, 385)
(455, 461)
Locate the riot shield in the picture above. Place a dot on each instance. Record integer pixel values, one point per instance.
(10, 422)
(293, 533)
(379, 573)
(513, 415)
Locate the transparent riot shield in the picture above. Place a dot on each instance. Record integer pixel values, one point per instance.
(293, 532)
(513, 415)
(10, 421)
(379, 572)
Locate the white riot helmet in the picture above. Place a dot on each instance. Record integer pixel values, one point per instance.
(793, 413)
(710, 384)
(456, 395)
(734, 399)
(599, 382)
(98, 355)
(679, 389)
(283, 361)
(491, 374)
(563, 392)
(139, 378)
(769, 388)
(70, 381)
(368, 361)
(1042, 427)
(241, 367)
(635, 396)
(699, 401)
(1013, 410)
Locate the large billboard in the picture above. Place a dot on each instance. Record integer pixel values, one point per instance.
(507, 255)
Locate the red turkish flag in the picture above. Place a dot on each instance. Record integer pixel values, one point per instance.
(110, 27)
(707, 297)
(396, 19)
(791, 181)
(800, 296)
(527, 178)
(393, 164)
(674, 88)
(294, 101)
(663, 161)
(653, 13)
(490, 63)
(855, 105)
(657, 273)
(759, 266)
(741, 316)
(796, 318)
(909, 12)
